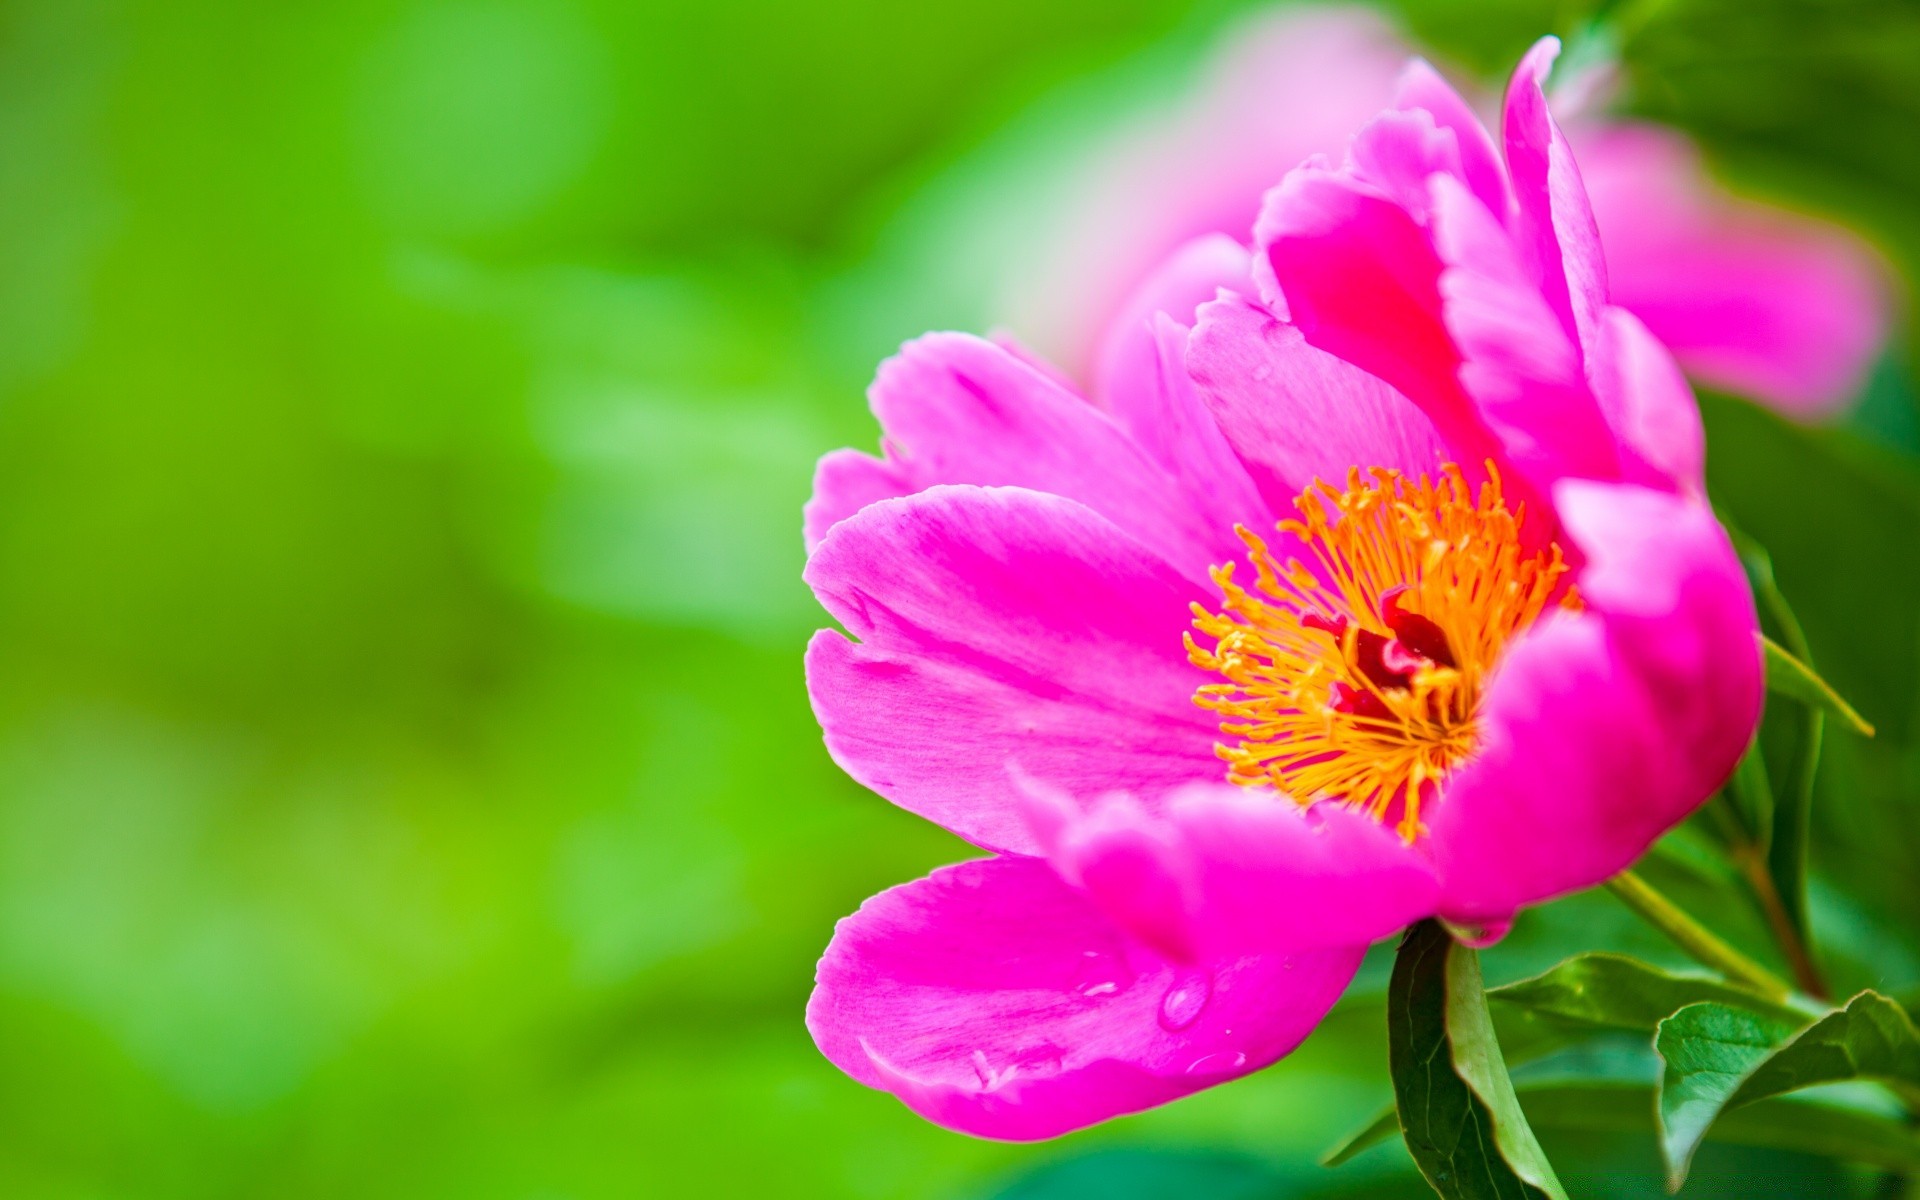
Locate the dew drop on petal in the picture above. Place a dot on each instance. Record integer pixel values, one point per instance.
(1217, 1062)
(1100, 973)
(1185, 1000)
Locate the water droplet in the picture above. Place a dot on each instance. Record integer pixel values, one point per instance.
(1185, 1000)
(1263, 371)
(1217, 1062)
(1100, 973)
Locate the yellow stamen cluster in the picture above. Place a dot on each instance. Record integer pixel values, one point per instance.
(1464, 567)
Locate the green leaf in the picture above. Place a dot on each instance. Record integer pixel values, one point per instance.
(1708, 1050)
(1720, 1057)
(1378, 1130)
(1788, 676)
(1457, 1109)
(1781, 821)
(1792, 828)
(1752, 795)
(1608, 1106)
(1827, 1130)
(1613, 991)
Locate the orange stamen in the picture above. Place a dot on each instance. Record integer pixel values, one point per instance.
(1357, 679)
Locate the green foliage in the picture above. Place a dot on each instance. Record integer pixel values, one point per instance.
(1719, 1058)
(1603, 991)
(1752, 795)
(1144, 1175)
(1629, 1109)
(1788, 676)
(1456, 1105)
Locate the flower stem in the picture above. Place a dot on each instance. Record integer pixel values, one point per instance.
(1806, 972)
(1696, 939)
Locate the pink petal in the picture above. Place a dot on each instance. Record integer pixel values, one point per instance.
(1221, 868)
(1554, 224)
(1295, 414)
(1362, 283)
(1398, 151)
(1520, 365)
(1421, 87)
(1126, 373)
(994, 999)
(1134, 867)
(844, 482)
(957, 409)
(1176, 428)
(1002, 626)
(1781, 307)
(1603, 729)
(1649, 405)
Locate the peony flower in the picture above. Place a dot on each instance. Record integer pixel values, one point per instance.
(1781, 307)
(1387, 589)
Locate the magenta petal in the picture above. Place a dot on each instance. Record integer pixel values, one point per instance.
(1421, 87)
(1398, 151)
(1603, 729)
(1554, 223)
(1002, 626)
(1294, 413)
(1770, 304)
(1176, 427)
(994, 999)
(1126, 374)
(1361, 281)
(1275, 874)
(1649, 405)
(1520, 366)
(1678, 606)
(957, 409)
(1135, 868)
(1220, 868)
(1558, 798)
(845, 482)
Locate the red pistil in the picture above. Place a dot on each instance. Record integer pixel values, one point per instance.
(1371, 656)
(1337, 626)
(1415, 632)
(1361, 703)
(1386, 662)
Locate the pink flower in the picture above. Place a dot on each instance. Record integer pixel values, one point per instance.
(1781, 307)
(1498, 646)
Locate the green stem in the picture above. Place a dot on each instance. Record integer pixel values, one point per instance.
(1786, 931)
(1693, 937)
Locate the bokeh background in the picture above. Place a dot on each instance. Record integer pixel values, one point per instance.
(407, 786)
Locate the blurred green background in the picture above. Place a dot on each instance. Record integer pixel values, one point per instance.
(407, 786)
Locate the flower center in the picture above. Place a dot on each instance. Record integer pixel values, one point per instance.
(1357, 678)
